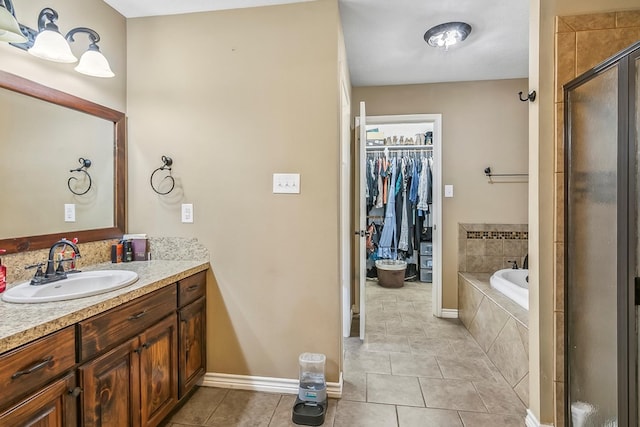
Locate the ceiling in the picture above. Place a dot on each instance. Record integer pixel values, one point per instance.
(384, 38)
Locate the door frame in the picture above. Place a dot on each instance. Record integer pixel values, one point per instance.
(436, 119)
(345, 208)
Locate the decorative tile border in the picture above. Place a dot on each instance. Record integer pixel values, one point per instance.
(511, 235)
(491, 247)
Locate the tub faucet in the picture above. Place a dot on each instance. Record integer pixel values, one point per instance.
(525, 263)
(514, 264)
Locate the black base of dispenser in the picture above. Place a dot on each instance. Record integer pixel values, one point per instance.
(309, 414)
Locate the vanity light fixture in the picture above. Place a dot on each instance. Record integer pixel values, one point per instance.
(447, 34)
(48, 43)
(92, 62)
(9, 27)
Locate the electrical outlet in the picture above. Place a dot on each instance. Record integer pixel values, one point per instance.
(69, 212)
(448, 190)
(187, 212)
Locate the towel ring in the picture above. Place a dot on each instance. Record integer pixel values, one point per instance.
(84, 165)
(166, 165)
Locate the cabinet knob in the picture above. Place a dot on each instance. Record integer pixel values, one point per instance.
(75, 392)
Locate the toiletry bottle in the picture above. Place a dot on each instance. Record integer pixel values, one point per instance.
(3, 273)
(128, 251)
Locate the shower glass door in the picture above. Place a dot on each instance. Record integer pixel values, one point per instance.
(602, 245)
(592, 251)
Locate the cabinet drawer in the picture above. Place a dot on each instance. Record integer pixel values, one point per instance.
(426, 261)
(426, 248)
(426, 275)
(116, 325)
(31, 366)
(191, 288)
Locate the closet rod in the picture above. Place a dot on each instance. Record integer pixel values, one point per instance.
(399, 147)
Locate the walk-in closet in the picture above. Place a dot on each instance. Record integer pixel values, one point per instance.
(399, 198)
(400, 205)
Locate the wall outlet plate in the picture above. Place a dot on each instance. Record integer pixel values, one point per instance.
(187, 213)
(69, 212)
(448, 190)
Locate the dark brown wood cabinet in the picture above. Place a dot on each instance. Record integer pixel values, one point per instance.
(136, 381)
(128, 366)
(192, 358)
(53, 406)
(110, 394)
(158, 373)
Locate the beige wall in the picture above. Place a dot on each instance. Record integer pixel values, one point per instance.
(541, 201)
(233, 97)
(95, 14)
(483, 124)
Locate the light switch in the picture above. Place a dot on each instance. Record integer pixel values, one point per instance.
(288, 183)
(448, 190)
(187, 212)
(69, 212)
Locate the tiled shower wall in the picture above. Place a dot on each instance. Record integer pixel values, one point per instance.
(488, 247)
(582, 42)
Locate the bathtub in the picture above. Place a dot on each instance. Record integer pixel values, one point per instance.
(513, 284)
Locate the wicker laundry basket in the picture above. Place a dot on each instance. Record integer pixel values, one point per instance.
(391, 273)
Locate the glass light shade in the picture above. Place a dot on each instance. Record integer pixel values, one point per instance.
(52, 46)
(93, 63)
(448, 34)
(445, 39)
(9, 28)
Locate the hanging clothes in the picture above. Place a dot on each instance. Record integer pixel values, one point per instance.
(424, 187)
(387, 244)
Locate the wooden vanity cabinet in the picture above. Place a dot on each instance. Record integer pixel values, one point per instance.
(137, 380)
(53, 406)
(128, 366)
(192, 317)
(30, 378)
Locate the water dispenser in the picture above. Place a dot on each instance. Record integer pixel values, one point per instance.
(311, 404)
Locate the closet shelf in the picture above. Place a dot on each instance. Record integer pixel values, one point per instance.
(399, 147)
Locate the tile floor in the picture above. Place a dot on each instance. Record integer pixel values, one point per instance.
(412, 370)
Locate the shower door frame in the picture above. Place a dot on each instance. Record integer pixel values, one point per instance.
(627, 199)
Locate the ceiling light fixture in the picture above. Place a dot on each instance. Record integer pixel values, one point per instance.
(48, 43)
(448, 34)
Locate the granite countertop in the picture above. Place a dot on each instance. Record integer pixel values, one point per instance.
(22, 323)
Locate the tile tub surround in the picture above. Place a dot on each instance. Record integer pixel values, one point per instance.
(23, 323)
(484, 248)
(500, 326)
(581, 42)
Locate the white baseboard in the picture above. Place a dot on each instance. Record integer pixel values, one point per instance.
(532, 421)
(449, 313)
(266, 384)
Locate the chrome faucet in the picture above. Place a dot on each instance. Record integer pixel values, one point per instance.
(525, 263)
(514, 264)
(52, 274)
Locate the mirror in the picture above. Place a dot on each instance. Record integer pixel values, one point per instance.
(44, 135)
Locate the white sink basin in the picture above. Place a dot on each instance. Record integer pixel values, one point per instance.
(76, 285)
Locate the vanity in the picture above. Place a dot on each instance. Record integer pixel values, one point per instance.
(127, 357)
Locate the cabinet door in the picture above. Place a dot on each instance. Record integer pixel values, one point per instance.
(111, 388)
(54, 406)
(192, 354)
(158, 373)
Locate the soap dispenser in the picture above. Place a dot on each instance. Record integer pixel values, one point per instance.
(3, 273)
